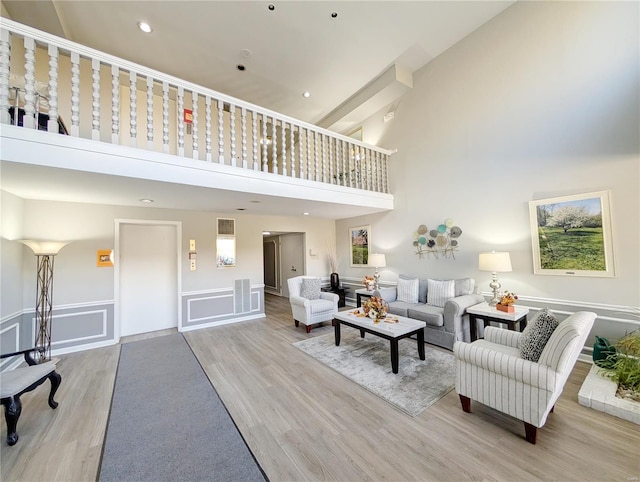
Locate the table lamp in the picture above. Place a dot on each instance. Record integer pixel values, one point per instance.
(377, 261)
(496, 262)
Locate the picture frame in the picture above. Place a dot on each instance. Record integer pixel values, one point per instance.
(359, 242)
(571, 235)
(104, 258)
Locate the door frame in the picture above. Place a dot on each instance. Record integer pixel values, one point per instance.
(116, 265)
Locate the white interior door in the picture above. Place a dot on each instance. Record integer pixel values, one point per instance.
(148, 278)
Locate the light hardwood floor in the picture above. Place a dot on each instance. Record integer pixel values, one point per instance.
(303, 421)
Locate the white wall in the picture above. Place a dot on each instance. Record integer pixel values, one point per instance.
(542, 101)
(11, 209)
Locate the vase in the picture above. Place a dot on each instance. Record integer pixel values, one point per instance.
(505, 308)
(335, 281)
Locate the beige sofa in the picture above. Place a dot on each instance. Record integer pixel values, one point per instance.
(443, 325)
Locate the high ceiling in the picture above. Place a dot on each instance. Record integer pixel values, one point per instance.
(332, 49)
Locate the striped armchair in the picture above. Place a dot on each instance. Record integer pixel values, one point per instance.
(492, 372)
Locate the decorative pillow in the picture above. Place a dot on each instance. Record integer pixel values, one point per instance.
(422, 288)
(536, 335)
(408, 290)
(439, 292)
(465, 286)
(310, 288)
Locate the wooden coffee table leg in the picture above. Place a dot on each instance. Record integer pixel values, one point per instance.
(394, 356)
(337, 331)
(421, 344)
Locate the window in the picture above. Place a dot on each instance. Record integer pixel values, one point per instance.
(226, 243)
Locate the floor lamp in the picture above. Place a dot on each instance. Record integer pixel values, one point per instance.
(45, 252)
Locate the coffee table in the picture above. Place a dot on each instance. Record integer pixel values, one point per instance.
(404, 328)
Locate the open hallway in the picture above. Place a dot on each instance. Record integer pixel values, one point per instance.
(304, 421)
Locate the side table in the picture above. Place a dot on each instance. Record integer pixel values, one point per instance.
(490, 314)
(362, 293)
(340, 292)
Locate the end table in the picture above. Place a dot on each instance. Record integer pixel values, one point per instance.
(490, 314)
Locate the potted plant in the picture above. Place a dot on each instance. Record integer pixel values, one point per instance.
(625, 366)
(506, 302)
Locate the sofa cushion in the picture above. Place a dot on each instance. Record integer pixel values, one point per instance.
(431, 315)
(439, 292)
(536, 335)
(465, 286)
(310, 288)
(422, 288)
(408, 290)
(401, 308)
(320, 306)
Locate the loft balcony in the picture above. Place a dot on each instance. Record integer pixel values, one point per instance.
(74, 114)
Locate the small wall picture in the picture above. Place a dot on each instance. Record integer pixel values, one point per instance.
(359, 242)
(571, 235)
(104, 258)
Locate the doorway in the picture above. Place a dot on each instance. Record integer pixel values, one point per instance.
(147, 277)
(283, 258)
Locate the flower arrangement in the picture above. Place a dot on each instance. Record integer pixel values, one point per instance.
(508, 298)
(375, 307)
(369, 282)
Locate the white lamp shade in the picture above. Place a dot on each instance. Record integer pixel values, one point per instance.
(498, 262)
(377, 260)
(44, 247)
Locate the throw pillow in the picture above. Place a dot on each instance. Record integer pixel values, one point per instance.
(536, 335)
(310, 288)
(439, 292)
(465, 286)
(408, 290)
(422, 288)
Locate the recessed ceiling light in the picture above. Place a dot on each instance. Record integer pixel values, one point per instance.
(254, 201)
(241, 67)
(145, 27)
(148, 201)
(241, 209)
(305, 214)
(306, 94)
(271, 7)
(334, 14)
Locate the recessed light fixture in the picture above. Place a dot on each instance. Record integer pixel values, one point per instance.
(148, 201)
(254, 201)
(305, 214)
(241, 209)
(271, 7)
(145, 27)
(334, 14)
(241, 67)
(306, 95)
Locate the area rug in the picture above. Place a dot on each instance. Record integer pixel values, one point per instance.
(367, 362)
(167, 422)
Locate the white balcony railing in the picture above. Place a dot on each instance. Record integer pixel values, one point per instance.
(50, 83)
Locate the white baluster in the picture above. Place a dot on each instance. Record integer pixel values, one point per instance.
(300, 153)
(95, 102)
(150, 113)
(181, 121)
(265, 165)
(115, 104)
(385, 165)
(75, 94)
(283, 148)
(316, 158)
(5, 70)
(207, 134)
(243, 128)
(274, 146)
(28, 119)
(292, 148)
(254, 138)
(52, 124)
(323, 145)
(232, 125)
(194, 124)
(165, 117)
(343, 158)
(133, 109)
(330, 141)
(309, 167)
(220, 132)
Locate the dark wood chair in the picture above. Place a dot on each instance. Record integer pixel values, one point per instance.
(14, 383)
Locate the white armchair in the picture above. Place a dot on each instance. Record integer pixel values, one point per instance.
(311, 311)
(492, 372)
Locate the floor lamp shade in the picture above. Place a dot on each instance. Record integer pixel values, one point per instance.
(496, 262)
(45, 252)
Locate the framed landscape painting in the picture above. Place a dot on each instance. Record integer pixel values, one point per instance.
(571, 235)
(359, 239)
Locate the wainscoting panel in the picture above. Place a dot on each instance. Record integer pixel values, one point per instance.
(220, 306)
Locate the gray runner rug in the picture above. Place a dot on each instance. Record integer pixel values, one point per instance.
(167, 422)
(367, 362)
